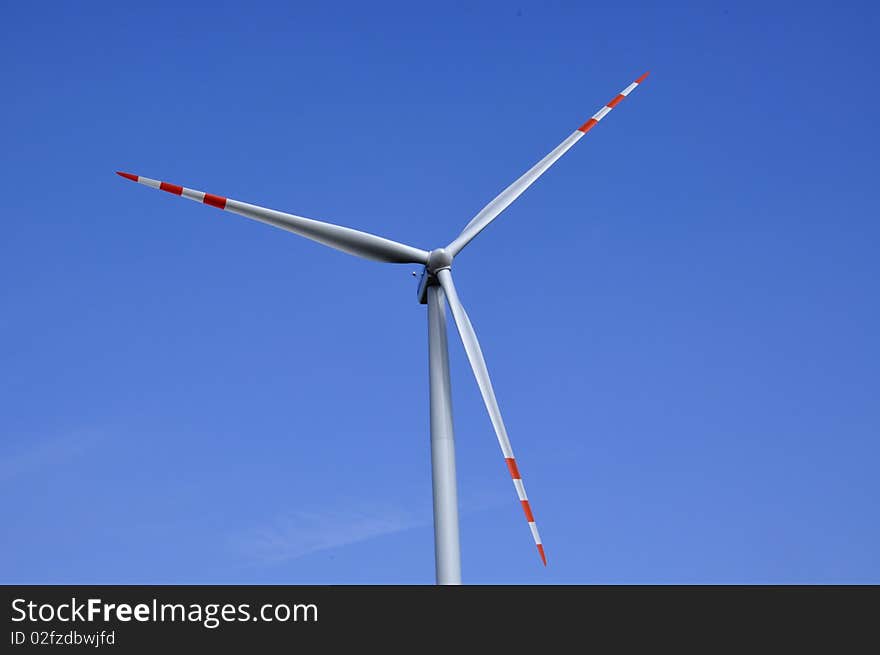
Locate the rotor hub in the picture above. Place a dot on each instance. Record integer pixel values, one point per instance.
(438, 260)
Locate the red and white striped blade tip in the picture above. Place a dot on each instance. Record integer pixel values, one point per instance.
(127, 176)
(642, 78)
(543, 556)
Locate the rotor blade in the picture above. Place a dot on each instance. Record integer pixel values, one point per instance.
(511, 193)
(478, 364)
(346, 239)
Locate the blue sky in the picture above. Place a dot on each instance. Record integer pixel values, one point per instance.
(681, 317)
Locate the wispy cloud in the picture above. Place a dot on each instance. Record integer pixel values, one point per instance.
(298, 533)
(301, 533)
(46, 453)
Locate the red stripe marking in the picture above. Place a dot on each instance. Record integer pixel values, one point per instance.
(171, 188)
(614, 102)
(128, 176)
(543, 556)
(528, 510)
(586, 127)
(642, 78)
(511, 465)
(215, 201)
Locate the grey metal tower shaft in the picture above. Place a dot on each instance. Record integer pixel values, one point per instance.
(447, 551)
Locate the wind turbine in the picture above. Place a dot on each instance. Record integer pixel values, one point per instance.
(436, 288)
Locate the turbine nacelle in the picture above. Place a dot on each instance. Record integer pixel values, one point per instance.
(438, 259)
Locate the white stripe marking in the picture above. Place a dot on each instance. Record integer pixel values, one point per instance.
(192, 194)
(599, 115)
(534, 529)
(520, 489)
(150, 183)
(629, 89)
